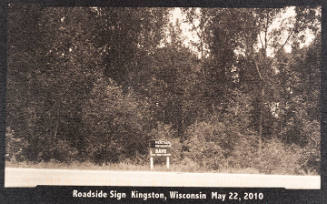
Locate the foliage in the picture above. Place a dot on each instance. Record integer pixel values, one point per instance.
(270, 161)
(209, 143)
(94, 84)
(117, 123)
(14, 146)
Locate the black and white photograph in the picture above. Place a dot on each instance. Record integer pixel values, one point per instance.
(163, 97)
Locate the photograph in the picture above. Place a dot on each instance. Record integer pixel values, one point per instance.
(163, 97)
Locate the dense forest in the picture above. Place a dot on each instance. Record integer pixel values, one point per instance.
(96, 84)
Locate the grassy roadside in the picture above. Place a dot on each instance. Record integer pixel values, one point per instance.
(132, 167)
(76, 165)
(121, 167)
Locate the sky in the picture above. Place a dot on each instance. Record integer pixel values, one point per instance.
(285, 18)
(187, 34)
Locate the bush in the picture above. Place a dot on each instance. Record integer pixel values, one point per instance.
(14, 146)
(189, 165)
(117, 122)
(310, 160)
(244, 153)
(208, 144)
(64, 152)
(278, 158)
(207, 148)
(275, 158)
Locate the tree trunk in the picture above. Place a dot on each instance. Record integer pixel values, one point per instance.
(261, 107)
(57, 122)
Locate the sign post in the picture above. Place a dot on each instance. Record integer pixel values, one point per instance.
(159, 148)
(151, 162)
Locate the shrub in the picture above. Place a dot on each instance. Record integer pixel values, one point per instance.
(14, 146)
(278, 158)
(275, 158)
(245, 150)
(188, 164)
(208, 143)
(207, 148)
(64, 152)
(117, 122)
(310, 159)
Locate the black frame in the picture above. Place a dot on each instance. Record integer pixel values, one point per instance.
(63, 194)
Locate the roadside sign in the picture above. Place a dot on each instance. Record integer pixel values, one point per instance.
(159, 144)
(159, 148)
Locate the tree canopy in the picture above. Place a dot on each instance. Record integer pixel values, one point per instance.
(97, 83)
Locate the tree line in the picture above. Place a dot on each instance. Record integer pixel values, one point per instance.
(96, 84)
